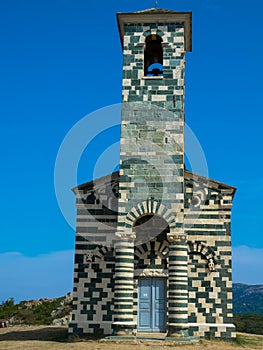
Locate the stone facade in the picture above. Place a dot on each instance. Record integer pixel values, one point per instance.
(153, 219)
(208, 248)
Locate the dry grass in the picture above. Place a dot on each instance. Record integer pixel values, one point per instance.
(55, 338)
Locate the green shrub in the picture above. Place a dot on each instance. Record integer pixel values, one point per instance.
(34, 314)
(7, 309)
(249, 323)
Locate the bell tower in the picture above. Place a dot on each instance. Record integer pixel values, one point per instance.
(151, 180)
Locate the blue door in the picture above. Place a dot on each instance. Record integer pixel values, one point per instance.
(152, 305)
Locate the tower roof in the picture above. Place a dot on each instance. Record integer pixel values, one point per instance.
(157, 15)
(155, 10)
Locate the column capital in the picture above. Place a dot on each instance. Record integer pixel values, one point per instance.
(177, 237)
(126, 235)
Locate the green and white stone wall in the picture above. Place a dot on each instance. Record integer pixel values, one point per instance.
(207, 223)
(209, 259)
(152, 135)
(93, 293)
(151, 160)
(193, 250)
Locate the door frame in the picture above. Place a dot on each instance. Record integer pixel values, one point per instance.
(162, 327)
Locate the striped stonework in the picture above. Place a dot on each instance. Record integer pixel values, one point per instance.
(207, 269)
(178, 286)
(123, 296)
(152, 218)
(152, 127)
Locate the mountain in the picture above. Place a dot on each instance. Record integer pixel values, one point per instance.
(248, 299)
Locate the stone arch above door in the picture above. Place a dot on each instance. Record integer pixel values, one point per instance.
(150, 207)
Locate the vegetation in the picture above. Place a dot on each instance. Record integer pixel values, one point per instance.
(33, 312)
(249, 323)
(249, 341)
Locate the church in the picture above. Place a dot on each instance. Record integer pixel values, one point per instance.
(153, 240)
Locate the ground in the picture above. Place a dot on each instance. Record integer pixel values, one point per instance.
(55, 338)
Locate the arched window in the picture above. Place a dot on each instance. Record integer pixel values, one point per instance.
(153, 56)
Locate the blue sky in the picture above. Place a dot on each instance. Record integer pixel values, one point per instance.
(60, 61)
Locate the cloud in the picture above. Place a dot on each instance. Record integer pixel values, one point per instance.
(247, 265)
(24, 277)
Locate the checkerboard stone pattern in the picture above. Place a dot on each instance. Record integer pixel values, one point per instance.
(93, 292)
(207, 223)
(193, 249)
(209, 240)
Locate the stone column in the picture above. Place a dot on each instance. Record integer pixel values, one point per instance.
(123, 324)
(178, 286)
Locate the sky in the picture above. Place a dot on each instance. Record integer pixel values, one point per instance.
(60, 62)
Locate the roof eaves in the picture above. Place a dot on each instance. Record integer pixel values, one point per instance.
(195, 176)
(91, 183)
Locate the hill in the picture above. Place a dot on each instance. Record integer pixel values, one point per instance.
(248, 299)
(37, 312)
